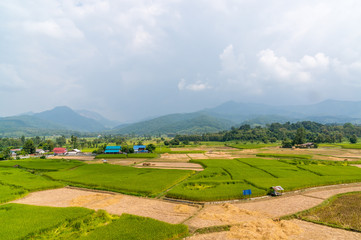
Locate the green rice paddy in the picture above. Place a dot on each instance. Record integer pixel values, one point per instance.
(137, 181)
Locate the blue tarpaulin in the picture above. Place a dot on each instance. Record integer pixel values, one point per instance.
(247, 192)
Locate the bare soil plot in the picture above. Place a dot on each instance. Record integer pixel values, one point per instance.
(305, 231)
(171, 165)
(197, 156)
(220, 155)
(173, 157)
(112, 203)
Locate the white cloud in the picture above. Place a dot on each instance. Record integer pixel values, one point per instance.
(195, 87)
(231, 63)
(10, 79)
(283, 70)
(61, 28)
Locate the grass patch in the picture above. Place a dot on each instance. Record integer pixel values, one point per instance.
(23, 179)
(342, 211)
(18, 220)
(213, 229)
(349, 145)
(278, 155)
(142, 155)
(130, 155)
(76, 228)
(250, 145)
(226, 179)
(110, 156)
(42, 164)
(187, 151)
(136, 181)
(132, 227)
(9, 193)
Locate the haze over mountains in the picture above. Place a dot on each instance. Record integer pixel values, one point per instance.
(64, 120)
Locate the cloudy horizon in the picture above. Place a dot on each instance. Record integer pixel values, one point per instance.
(129, 60)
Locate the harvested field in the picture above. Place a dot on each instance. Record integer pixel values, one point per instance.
(293, 229)
(171, 165)
(272, 207)
(198, 156)
(112, 203)
(174, 157)
(218, 155)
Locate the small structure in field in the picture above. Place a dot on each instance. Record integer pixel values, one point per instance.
(276, 190)
(140, 149)
(60, 151)
(74, 152)
(39, 151)
(306, 145)
(113, 150)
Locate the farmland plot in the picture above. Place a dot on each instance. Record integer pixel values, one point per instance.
(226, 179)
(122, 179)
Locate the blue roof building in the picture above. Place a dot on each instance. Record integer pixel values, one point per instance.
(113, 149)
(140, 148)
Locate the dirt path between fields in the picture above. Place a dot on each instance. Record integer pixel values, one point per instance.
(254, 219)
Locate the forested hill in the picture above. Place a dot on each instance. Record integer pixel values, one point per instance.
(190, 123)
(312, 132)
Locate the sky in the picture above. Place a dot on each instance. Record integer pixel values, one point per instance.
(130, 60)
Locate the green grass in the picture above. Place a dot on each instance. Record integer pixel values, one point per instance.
(87, 150)
(130, 155)
(42, 164)
(108, 156)
(341, 211)
(76, 228)
(162, 149)
(132, 227)
(8, 193)
(226, 179)
(142, 155)
(18, 221)
(136, 181)
(349, 145)
(250, 145)
(187, 151)
(278, 155)
(25, 180)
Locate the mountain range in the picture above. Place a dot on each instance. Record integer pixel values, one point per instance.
(64, 120)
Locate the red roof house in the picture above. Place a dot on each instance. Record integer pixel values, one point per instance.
(58, 151)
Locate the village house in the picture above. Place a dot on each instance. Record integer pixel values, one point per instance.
(113, 150)
(59, 151)
(140, 149)
(74, 152)
(39, 151)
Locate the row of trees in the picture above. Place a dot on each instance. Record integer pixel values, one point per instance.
(310, 131)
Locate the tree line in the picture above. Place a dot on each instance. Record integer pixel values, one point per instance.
(310, 131)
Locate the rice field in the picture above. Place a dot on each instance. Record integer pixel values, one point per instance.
(136, 181)
(226, 179)
(341, 211)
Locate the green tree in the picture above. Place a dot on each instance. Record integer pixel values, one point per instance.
(300, 136)
(151, 147)
(60, 141)
(5, 154)
(353, 139)
(286, 143)
(74, 141)
(29, 147)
